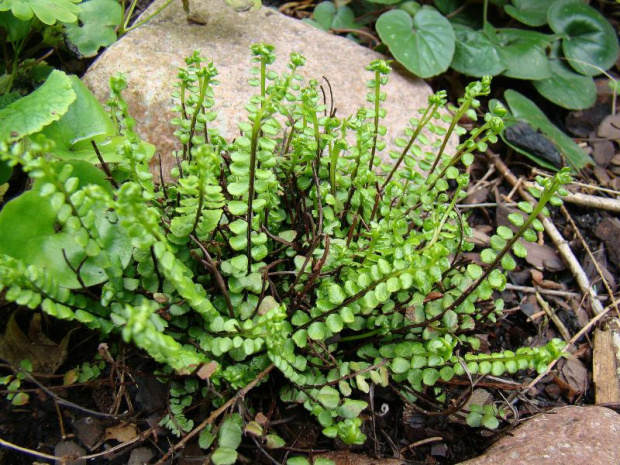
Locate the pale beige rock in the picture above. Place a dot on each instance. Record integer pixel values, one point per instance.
(565, 436)
(151, 55)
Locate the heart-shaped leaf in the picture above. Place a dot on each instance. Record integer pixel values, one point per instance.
(475, 54)
(327, 16)
(47, 11)
(524, 109)
(423, 44)
(86, 120)
(530, 12)
(96, 28)
(523, 52)
(567, 88)
(28, 233)
(36, 110)
(590, 42)
(16, 28)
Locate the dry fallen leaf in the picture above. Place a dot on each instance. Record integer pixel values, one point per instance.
(45, 355)
(207, 369)
(122, 433)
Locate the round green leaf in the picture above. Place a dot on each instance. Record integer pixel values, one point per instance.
(530, 12)
(334, 323)
(351, 408)
(224, 456)
(590, 42)
(329, 397)
(27, 233)
(96, 28)
(526, 110)
(33, 112)
(523, 52)
(48, 11)
(423, 44)
(316, 331)
(327, 16)
(567, 88)
(475, 54)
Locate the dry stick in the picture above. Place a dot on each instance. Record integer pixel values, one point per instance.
(566, 253)
(588, 200)
(10, 445)
(574, 339)
(543, 291)
(590, 254)
(240, 394)
(556, 320)
(556, 237)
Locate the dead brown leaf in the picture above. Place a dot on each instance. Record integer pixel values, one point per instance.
(122, 432)
(45, 355)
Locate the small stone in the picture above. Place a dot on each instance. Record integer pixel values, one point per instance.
(567, 436)
(70, 452)
(615, 160)
(152, 54)
(140, 456)
(603, 152)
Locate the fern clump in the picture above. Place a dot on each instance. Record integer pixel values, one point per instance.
(293, 247)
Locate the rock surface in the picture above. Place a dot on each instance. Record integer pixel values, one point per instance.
(564, 436)
(151, 55)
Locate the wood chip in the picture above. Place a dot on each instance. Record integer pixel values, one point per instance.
(607, 387)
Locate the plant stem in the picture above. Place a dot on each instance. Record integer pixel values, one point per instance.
(145, 20)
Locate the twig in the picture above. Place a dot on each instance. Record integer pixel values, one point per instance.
(556, 320)
(574, 339)
(421, 443)
(10, 445)
(240, 394)
(561, 244)
(589, 252)
(542, 291)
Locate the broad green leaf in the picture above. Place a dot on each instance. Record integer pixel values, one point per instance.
(47, 11)
(335, 294)
(524, 109)
(327, 16)
(224, 456)
(33, 112)
(589, 42)
(523, 52)
(329, 397)
(351, 408)
(490, 421)
(474, 419)
(316, 331)
(229, 435)
(16, 28)
(334, 323)
(430, 376)
(567, 88)
(27, 233)
(400, 365)
(84, 121)
(530, 12)
(447, 6)
(237, 208)
(423, 44)
(273, 441)
(475, 54)
(96, 28)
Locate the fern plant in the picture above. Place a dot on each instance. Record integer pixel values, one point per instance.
(292, 246)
